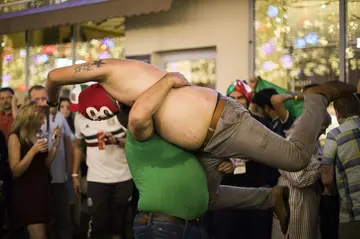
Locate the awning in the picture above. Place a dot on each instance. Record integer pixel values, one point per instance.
(71, 12)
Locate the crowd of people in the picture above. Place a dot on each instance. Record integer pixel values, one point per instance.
(121, 159)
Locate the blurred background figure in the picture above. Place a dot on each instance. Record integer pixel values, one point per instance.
(341, 162)
(64, 109)
(8, 107)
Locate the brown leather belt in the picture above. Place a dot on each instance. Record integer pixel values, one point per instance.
(214, 120)
(96, 144)
(145, 218)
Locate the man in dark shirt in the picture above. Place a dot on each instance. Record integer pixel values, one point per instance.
(257, 175)
(233, 224)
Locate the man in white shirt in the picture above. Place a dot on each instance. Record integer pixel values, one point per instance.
(109, 180)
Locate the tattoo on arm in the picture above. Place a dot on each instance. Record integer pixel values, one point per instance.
(98, 63)
(88, 66)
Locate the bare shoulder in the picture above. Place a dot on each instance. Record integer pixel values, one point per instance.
(13, 140)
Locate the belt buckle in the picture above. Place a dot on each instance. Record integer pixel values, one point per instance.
(196, 221)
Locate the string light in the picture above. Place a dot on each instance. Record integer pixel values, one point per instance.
(45, 58)
(307, 47)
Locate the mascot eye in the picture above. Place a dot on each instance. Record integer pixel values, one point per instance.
(106, 113)
(92, 113)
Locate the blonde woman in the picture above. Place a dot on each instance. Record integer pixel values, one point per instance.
(29, 157)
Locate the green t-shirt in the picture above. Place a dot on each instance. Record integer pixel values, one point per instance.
(170, 180)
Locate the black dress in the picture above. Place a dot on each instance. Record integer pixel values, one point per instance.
(31, 194)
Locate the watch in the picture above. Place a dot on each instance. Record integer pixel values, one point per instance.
(56, 104)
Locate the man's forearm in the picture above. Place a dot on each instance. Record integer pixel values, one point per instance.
(77, 160)
(281, 98)
(69, 149)
(150, 101)
(54, 94)
(277, 102)
(78, 155)
(53, 90)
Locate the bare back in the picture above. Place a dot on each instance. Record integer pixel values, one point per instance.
(185, 115)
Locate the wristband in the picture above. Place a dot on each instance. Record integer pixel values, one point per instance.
(75, 175)
(56, 104)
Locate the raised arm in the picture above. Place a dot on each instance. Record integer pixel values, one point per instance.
(98, 71)
(278, 103)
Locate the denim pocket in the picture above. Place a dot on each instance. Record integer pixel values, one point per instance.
(166, 233)
(141, 231)
(157, 231)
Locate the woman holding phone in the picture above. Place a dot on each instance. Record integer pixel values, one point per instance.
(29, 158)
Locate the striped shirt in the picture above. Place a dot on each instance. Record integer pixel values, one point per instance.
(342, 147)
(304, 200)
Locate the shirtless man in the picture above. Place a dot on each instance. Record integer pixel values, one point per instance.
(197, 117)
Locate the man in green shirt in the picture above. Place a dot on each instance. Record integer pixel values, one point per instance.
(172, 187)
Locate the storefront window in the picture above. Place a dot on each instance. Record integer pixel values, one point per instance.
(17, 5)
(12, 70)
(50, 48)
(200, 72)
(101, 40)
(297, 42)
(353, 41)
(100, 49)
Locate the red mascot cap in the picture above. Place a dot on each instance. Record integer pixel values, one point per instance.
(96, 104)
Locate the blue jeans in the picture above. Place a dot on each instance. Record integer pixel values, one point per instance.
(166, 230)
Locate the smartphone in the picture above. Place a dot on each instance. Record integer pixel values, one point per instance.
(54, 135)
